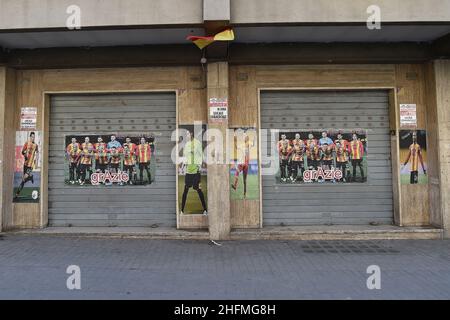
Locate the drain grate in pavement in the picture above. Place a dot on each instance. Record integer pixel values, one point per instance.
(366, 247)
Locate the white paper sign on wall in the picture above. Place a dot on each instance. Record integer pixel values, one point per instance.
(218, 109)
(408, 116)
(28, 118)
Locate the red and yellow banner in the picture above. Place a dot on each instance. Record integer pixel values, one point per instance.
(203, 42)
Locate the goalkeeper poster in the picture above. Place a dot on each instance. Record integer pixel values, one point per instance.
(192, 169)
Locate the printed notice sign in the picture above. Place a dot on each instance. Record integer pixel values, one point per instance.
(28, 118)
(408, 116)
(218, 109)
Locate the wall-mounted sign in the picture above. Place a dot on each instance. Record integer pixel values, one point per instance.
(408, 116)
(28, 118)
(218, 109)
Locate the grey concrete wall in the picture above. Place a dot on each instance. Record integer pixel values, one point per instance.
(7, 143)
(32, 14)
(216, 10)
(442, 78)
(327, 11)
(2, 129)
(35, 14)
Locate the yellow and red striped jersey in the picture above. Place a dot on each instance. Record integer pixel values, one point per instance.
(415, 154)
(356, 149)
(327, 153)
(341, 154)
(298, 150)
(284, 149)
(85, 145)
(114, 156)
(73, 150)
(144, 153)
(101, 153)
(132, 147)
(128, 157)
(344, 144)
(86, 156)
(312, 149)
(29, 151)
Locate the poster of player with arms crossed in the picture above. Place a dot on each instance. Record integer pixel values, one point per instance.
(413, 157)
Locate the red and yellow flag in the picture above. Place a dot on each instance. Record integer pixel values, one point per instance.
(202, 42)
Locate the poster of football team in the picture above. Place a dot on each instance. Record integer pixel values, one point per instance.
(322, 156)
(27, 166)
(413, 157)
(192, 169)
(109, 159)
(244, 164)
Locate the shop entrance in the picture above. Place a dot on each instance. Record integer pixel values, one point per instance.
(85, 195)
(362, 198)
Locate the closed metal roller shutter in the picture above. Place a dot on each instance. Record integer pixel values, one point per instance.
(342, 203)
(113, 205)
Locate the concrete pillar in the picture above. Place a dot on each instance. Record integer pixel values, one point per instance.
(7, 143)
(441, 96)
(218, 171)
(216, 10)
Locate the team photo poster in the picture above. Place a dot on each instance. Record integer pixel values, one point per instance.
(244, 164)
(192, 170)
(109, 159)
(27, 167)
(413, 157)
(322, 156)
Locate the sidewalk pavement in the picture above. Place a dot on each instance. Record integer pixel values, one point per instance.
(34, 267)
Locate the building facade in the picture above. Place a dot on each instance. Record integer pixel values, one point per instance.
(373, 94)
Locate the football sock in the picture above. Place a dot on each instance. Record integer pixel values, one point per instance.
(183, 200)
(202, 198)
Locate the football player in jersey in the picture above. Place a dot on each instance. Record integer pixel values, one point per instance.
(30, 153)
(87, 145)
(327, 156)
(73, 152)
(114, 161)
(415, 155)
(346, 149)
(101, 155)
(313, 152)
(325, 139)
(114, 143)
(341, 158)
(356, 156)
(86, 158)
(129, 160)
(284, 154)
(193, 155)
(297, 160)
(144, 154)
(242, 155)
